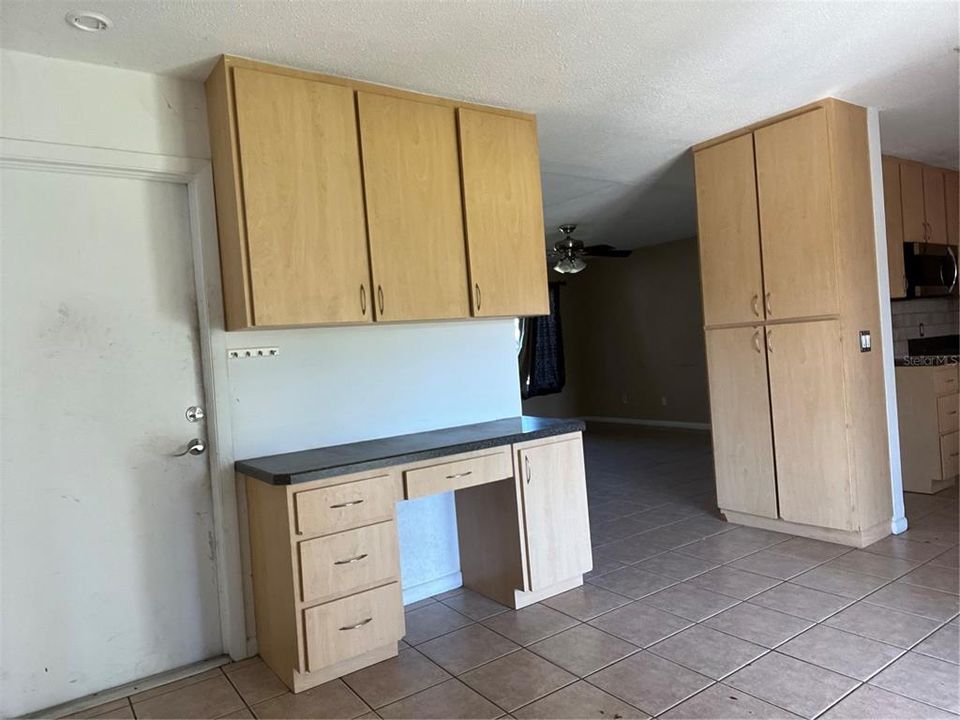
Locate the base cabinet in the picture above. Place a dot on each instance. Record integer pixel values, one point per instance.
(927, 405)
(325, 562)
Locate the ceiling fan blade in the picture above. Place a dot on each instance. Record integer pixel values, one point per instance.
(605, 251)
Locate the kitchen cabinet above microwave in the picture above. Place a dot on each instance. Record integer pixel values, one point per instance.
(343, 202)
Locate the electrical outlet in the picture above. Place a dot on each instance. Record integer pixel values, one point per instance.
(663, 400)
(623, 399)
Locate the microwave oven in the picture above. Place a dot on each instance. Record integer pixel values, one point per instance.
(931, 270)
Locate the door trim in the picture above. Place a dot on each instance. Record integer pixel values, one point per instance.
(197, 175)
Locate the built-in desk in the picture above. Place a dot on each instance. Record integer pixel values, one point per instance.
(324, 546)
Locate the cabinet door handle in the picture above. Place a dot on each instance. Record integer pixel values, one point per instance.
(477, 295)
(459, 475)
(380, 297)
(526, 459)
(350, 503)
(952, 412)
(358, 625)
(363, 300)
(769, 340)
(755, 303)
(766, 304)
(349, 561)
(756, 342)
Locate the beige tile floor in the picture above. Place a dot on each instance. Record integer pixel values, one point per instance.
(683, 616)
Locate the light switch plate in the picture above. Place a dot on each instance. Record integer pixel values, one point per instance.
(866, 342)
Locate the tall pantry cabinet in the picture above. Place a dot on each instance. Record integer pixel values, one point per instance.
(789, 279)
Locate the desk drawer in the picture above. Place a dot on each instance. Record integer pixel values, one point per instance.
(945, 380)
(950, 454)
(341, 507)
(336, 564)
(352, 626)
(947, 408)
(446, 476)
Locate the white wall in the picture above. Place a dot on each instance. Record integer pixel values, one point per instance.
(60, 101)
(335, 385)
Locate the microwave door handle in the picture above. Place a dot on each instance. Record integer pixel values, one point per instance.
(953, 282)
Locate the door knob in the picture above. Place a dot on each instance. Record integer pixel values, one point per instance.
(194, 447)
(195, 413)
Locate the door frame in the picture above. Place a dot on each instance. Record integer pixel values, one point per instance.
(197, 175)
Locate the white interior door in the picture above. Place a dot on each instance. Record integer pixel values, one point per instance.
(108, 564)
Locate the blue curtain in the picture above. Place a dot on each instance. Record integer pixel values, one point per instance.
(541, 354)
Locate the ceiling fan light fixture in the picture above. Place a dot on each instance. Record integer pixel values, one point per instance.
(569, 265)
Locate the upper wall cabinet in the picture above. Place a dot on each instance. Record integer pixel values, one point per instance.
(414, 217)
(929, 207)
(344, 202)
(503, 208)
(302, 205)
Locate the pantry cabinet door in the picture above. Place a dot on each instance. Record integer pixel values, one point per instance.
(796, 217)
(503, 210)
(553, 489)
(411, 174)
(729, 233)
(303, 200)
(807, 397)
(740, 420)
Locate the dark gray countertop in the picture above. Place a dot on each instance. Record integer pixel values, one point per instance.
(319, 463)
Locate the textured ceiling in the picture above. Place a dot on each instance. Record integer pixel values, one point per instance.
(621, 89)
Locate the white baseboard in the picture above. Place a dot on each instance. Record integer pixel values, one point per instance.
(432, 587)
(678, 424)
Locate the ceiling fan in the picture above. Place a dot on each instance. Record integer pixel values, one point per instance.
(568, 252)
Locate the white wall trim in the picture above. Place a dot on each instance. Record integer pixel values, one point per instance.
(898, 522)
(677, 424)
(432, 587)
(197, 175)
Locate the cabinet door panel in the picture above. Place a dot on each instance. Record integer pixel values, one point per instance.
(934, 207)
(911, 198)
(554, 493)
(894, 225)
(503, 209)
(740, 421)
(411, 178)
(729, 233)
(796, 216)
(951, 185)
(303, 199)
(809, 428)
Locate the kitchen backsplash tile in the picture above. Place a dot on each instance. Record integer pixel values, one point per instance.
(923, 317)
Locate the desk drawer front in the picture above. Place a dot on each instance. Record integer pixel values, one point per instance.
(947, 408)
(945, 380)
(341, 507)
(443, 477)
(336, 564)
(950, 454)
(349, 627)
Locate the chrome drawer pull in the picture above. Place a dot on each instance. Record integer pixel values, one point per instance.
(358, 625)
(346, 504)
(459, 475)
(358, 558)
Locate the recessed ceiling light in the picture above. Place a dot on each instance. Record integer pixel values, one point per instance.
(89, 21)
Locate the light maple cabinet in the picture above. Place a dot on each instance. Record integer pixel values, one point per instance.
(927, 405)
(729, 233)
(340, 201)
(924, 202)
(951, 187)
(302, 204)
(797, 410)
(412, 182)
(556, 525)
(796, 216)
(503, 210)
(740, 398)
